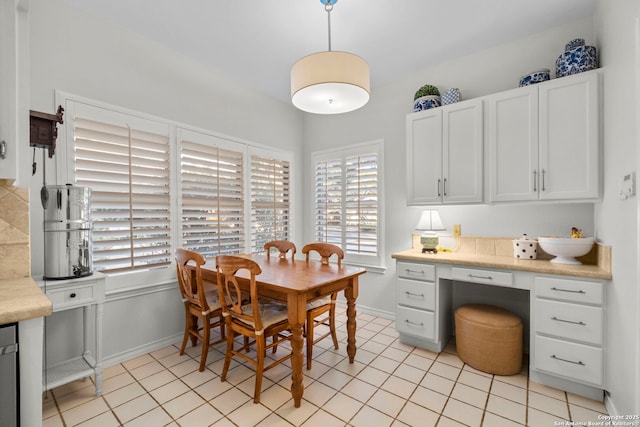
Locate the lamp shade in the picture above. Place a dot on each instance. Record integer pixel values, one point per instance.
(330, 82)
(430, 221)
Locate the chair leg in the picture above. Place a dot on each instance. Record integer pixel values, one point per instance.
(206, 332)
(260, 353)
(310, 325)
(332, 325)
(194, 329)
(187, 328)
(228, 355)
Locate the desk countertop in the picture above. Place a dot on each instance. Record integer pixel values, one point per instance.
(505, 263)
(22, 299)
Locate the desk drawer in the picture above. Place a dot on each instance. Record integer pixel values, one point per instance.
(71, 296)
(417, 294)
(414, 322)
(416, 271)
(572, 321)
(570, 290)
(579, 362)
(487, 277)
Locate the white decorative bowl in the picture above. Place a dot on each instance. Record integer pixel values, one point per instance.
(565, 249)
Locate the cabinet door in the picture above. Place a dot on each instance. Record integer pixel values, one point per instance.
(513, 145)
(8, 110)
(462, 138)
(569, 134)
(424, 157)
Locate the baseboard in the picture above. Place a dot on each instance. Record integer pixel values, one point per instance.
(141, 350)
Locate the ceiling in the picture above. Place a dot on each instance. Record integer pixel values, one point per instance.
(258, 41)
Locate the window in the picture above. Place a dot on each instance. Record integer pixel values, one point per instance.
(270, 201)
(157, 185)
(347, 201)
(125, 162)
(212, 195)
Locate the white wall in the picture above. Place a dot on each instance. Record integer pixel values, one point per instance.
(617, 28)
(483, 73)
(74, 52)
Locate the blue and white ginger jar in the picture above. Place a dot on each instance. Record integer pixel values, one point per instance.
(577, 58)
(426, 102)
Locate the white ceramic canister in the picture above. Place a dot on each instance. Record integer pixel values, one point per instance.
(525, 248)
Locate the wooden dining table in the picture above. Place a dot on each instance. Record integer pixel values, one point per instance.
(298, 282)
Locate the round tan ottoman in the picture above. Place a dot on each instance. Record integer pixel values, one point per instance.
(489, 338)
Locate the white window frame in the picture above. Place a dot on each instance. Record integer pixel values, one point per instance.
(374, 263)
(64, 162)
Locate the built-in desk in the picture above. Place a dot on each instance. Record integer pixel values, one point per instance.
(564, 309)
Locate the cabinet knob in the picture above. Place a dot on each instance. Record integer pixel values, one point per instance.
(72, 295)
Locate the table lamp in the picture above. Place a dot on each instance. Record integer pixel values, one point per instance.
(430, 221)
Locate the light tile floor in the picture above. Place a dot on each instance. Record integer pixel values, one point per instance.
(389, 384)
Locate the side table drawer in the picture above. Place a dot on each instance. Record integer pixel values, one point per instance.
(579, 362)
(572, 321)
(416, 294)
(414, 322)
(72, 296)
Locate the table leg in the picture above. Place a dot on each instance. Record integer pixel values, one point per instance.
(296, 309)
(351, 293)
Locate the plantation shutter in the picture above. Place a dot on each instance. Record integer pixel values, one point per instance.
(328, 201)
(270, 201)
(347, 208)
(212, 198)
(127, 169)
(361, 204)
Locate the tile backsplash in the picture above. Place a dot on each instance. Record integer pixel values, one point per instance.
(15, 252)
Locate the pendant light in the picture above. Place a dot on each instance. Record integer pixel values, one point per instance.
(330, 82)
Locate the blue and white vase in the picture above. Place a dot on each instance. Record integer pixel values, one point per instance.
(576, 60)
(426, 102)
(451, 96)
(573, 44)
(534, 77)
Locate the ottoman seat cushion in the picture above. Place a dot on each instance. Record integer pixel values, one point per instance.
(489, 338)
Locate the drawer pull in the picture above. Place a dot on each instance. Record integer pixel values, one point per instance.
(411, 294)
(569, 321)
(480, 277)
(568, 290)
(414, 271)
(413, 323)
(72, 295)
(553, 356)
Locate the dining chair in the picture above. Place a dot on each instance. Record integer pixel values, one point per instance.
(283, 246)
(254, 320)
(323, 305)
(200, 303)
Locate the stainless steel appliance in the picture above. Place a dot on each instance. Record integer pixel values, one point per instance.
(9, 397)
(67, 232)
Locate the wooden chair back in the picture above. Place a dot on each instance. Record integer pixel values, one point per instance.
(283, 246)
(190, 280)
(325, 250)
(231, 293)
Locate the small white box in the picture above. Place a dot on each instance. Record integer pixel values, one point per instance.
(525, 248)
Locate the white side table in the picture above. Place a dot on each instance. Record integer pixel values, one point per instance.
(86, 293)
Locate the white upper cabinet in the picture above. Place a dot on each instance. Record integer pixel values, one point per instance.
(569, 135)
(8, 66)
(543, 141)
(444, 154)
